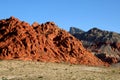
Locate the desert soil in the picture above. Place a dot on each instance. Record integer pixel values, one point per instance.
(29, 70)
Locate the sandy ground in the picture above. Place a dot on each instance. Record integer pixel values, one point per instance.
(28, 70)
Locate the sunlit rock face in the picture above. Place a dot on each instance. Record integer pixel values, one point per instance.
(42, 42)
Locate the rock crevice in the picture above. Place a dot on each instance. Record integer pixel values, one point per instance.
(42, 42)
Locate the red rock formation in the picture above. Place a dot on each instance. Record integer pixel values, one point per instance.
(42, 42)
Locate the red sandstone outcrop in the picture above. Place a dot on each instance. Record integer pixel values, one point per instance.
(41, 42)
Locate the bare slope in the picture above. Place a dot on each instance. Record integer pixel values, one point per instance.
(105, 44)
(41, 42)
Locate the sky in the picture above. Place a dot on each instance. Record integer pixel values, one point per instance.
(83, 14)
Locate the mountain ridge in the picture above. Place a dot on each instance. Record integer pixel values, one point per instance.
(44, 42)
(102, 43)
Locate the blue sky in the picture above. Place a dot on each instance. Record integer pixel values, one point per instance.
(83, 14)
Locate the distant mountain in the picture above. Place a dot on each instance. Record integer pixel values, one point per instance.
(74, 30)
(42, 42)
(104, 44)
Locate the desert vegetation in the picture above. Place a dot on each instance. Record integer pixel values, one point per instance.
(46, 52)
(29, 70)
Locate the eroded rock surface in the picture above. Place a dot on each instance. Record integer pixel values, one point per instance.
(42, 42)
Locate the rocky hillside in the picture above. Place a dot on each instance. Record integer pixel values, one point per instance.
(41, 42)
(105, 44)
